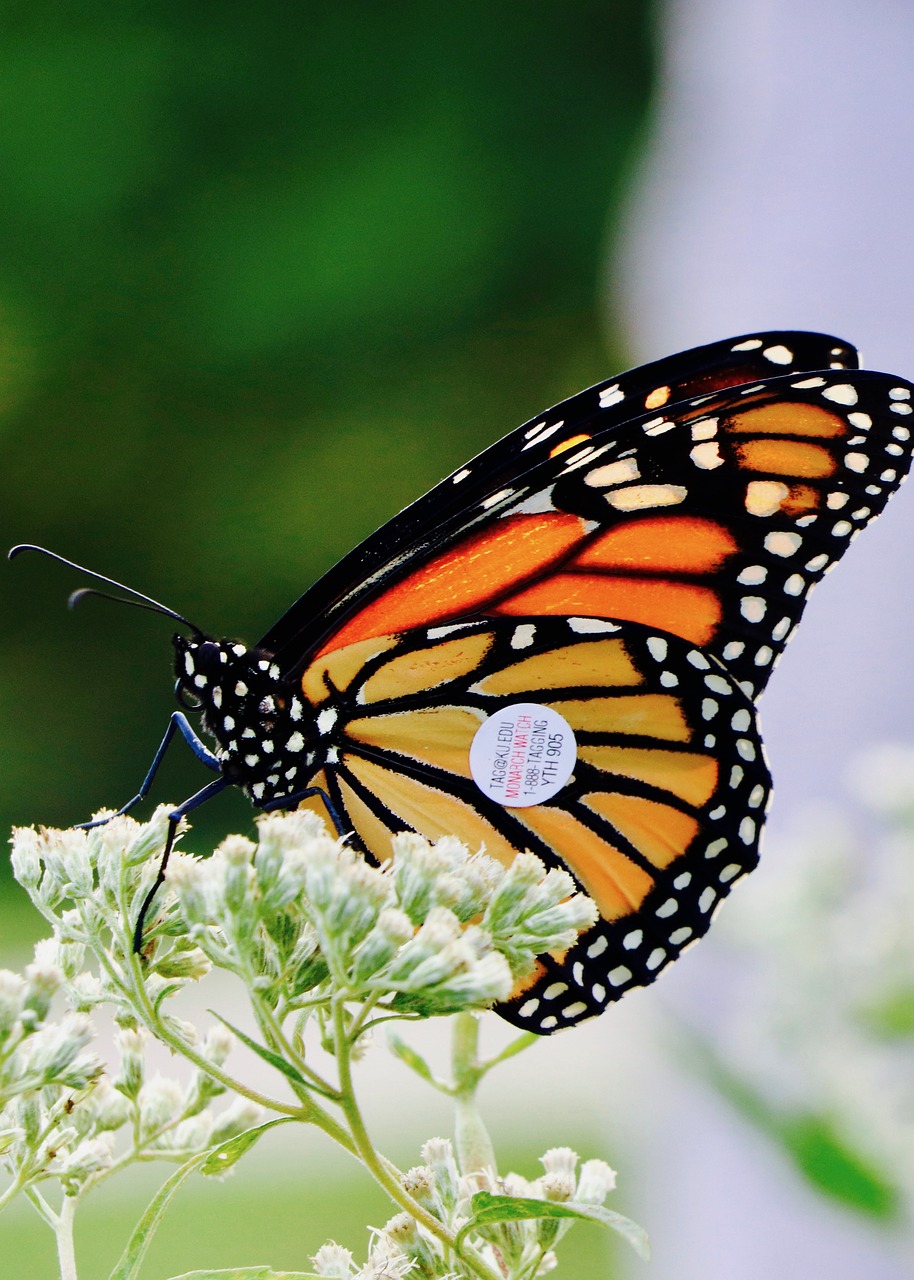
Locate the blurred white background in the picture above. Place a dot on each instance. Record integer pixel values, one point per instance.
(777, 192)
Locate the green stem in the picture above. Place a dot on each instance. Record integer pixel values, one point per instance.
(12, 1190)
(382, 1170)
(272, 1031)
(66, 1251)
(41, 1206)
(474, 1146)
(150, 1018)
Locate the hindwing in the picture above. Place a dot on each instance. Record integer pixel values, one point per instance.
(662, 813)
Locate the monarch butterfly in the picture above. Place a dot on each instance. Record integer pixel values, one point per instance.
(559, 647)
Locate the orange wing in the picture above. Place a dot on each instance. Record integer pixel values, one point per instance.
(711, 523)
(662, 813)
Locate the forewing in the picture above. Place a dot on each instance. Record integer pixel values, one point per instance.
(711, 521)
(441, 517)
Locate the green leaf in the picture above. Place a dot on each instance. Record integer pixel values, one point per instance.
(488, 1210)
(228, 1153)
(263, 1052)
(406, 1053)
(248, 1273)
(131, 1259)
(838, 1169)
(171, 989)
(518, 1045)
(208, 1162)
(811, 1140)
(891, 1017)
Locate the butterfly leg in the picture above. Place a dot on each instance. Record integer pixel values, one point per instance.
(200, 797)
(177, 724)
(289, 802)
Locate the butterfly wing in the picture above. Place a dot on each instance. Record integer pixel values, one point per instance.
(711, 521)
(636, 572)
(661, 815)
(440, 516)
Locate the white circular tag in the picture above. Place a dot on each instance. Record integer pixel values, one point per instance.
(523, 755)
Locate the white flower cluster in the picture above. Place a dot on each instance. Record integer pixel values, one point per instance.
(522, 1246)
(65, 1116)
(435, 930)
(825, 1025)
(312, 932)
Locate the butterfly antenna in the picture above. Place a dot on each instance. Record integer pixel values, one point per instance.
(139, 600)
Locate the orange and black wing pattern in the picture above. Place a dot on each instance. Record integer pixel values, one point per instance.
(474, 492)
(711, 521)
(634, 563)
(661, 814)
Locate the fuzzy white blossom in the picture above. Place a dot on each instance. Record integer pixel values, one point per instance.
(321, 944)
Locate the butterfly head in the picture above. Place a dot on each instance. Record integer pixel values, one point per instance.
(255, 716)
(223, 678)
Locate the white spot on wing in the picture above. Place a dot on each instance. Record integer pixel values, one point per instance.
(841, 393)
(752, 575)
(327, 719)
(752, 608)
(707, 455)
(621, 472)
(764, 497)
(587, 626)
(782, 543)
(638, 497)
(494, 499)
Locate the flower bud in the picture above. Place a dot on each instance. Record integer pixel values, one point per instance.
(109, 1108)
(84, 992)
(25, 857)
(43, 981)
(392, 929)
(560, 1160)
(558, 1187)
(333, 1261)
(419, 1182)
(131, 1043)
(160, 1103)
(185, 964)
(438, 1154)
(12, 992)
(595, 1183)
(238, 1117)
(85, 1159)
(56, 1047)
(140, 843)
(238, 876)
(27, 1117)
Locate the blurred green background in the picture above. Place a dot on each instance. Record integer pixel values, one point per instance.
(266, 274)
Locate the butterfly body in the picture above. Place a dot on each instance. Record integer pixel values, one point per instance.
(560, 646)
